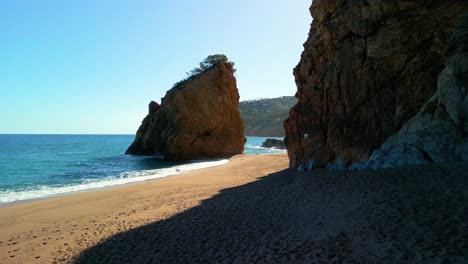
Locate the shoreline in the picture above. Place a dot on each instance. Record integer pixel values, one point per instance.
(137, 180)
(79, 169)
(111, 183)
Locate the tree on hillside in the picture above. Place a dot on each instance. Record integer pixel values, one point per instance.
(208, 63)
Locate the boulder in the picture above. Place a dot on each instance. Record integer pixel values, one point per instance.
(367, 69)
(197, 119)
(274, 143)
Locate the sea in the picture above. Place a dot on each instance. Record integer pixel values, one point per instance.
(39, 166)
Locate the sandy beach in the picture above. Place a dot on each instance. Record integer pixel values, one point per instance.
(251, 210)
(59, 228)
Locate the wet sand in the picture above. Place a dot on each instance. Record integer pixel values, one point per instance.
(252, 210)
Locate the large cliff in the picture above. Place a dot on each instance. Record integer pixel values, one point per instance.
(197, 119)
(367, 68)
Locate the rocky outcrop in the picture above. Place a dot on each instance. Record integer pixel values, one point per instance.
(439, 132)
(198, 119)
(367, 68)
(274, 143)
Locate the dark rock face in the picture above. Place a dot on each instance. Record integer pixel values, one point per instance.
(199, 119)
(439, 132)
(274, 143)
(367, 68)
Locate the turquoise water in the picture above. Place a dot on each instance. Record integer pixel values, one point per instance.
(38, 166)
(253, 146)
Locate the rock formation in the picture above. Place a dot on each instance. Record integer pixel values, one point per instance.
(439, 132)
(274, 143)
(368, 67)
(198, 119)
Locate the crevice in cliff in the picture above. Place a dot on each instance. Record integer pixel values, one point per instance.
(367, 101)
(446, 112)
(364, 58)
(366, 36)
(426, 155)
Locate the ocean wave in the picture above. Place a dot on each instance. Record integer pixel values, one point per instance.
(262, 150)
(44, 191)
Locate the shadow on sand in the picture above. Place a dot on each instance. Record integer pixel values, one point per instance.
(318, 217)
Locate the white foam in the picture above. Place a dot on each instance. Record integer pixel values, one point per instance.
(267, 150)
(11, 196)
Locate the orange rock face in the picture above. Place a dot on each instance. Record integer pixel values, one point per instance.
(199, 119)
(366, 69)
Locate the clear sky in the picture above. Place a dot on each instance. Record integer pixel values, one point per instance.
(92, 66)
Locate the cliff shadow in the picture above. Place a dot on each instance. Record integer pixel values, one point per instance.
(313, 217)
(235, 221)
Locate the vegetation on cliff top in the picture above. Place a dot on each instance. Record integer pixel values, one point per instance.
(207, 64)
(265, 117)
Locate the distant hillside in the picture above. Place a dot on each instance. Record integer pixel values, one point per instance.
(264, 117)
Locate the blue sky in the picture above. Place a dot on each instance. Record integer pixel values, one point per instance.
(92, 66)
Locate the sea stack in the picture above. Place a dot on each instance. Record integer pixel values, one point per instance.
(197, 119)
(368, 68)
(273, 143)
